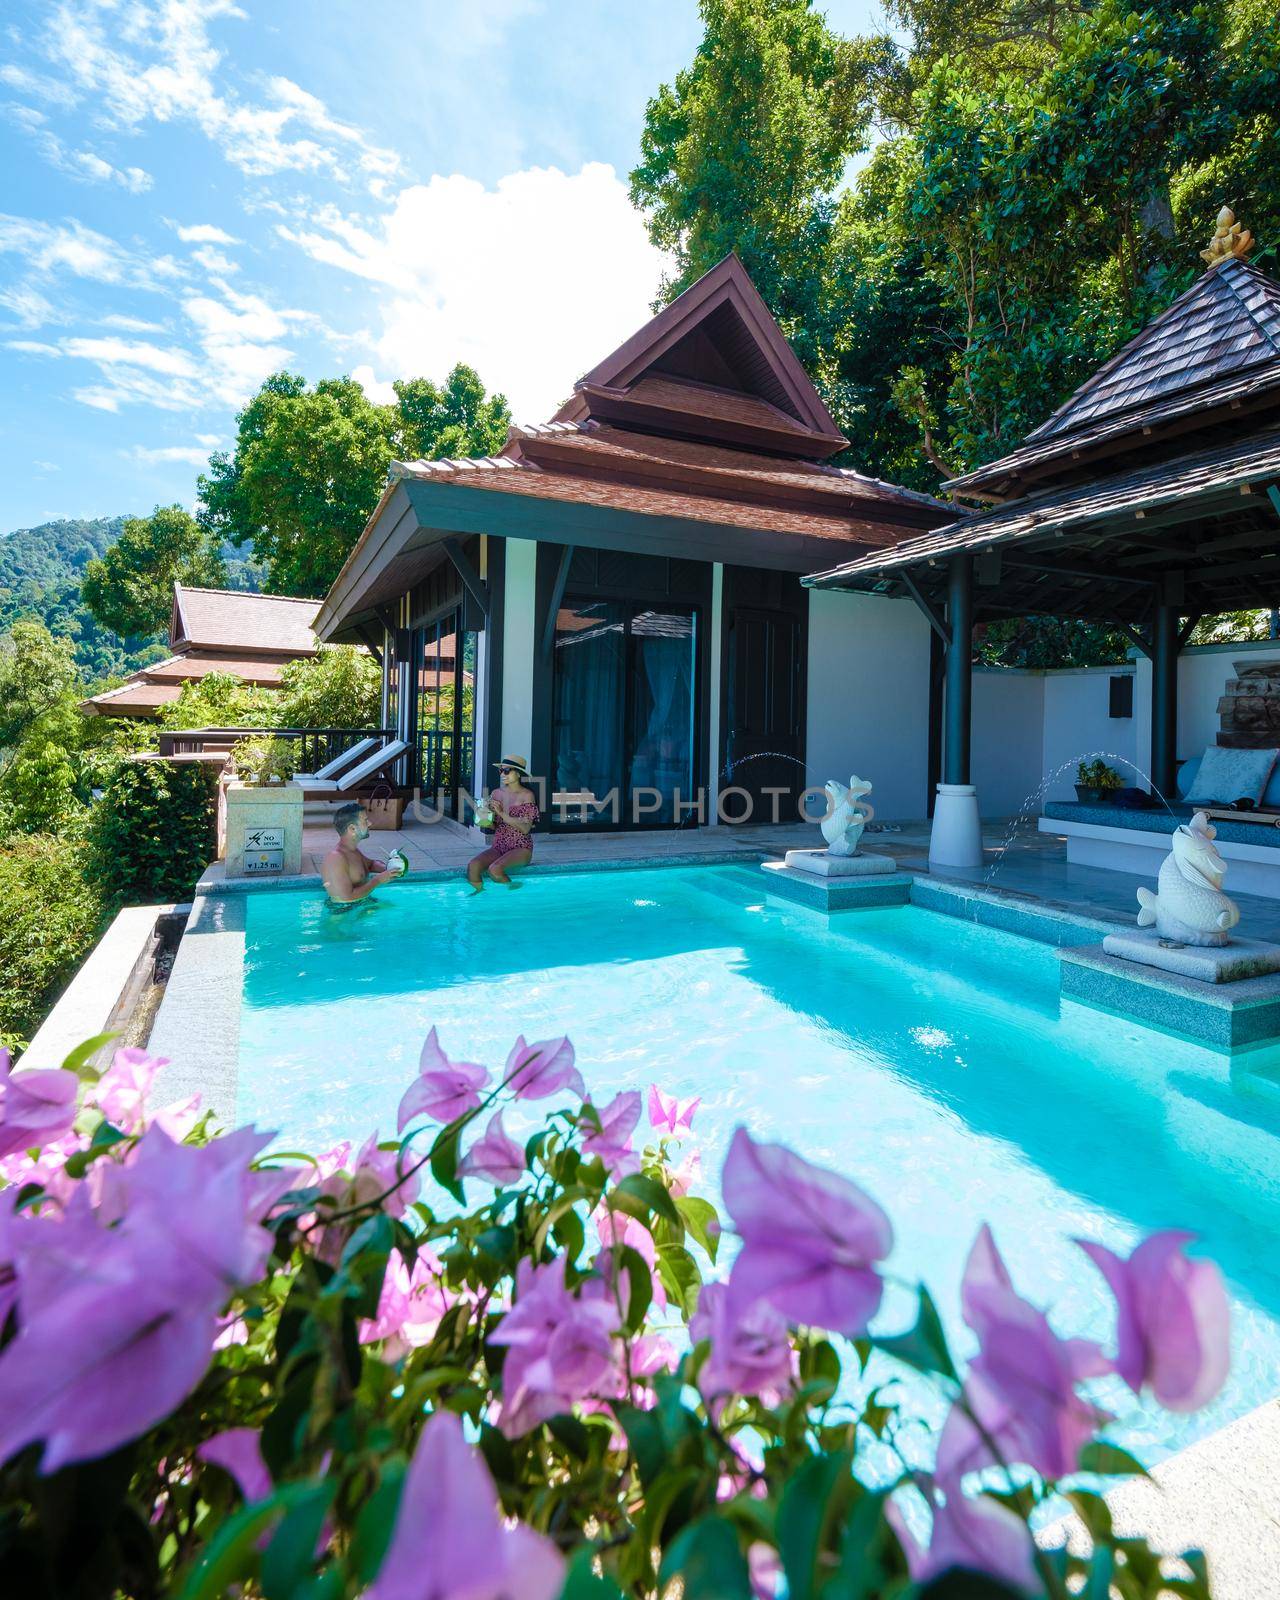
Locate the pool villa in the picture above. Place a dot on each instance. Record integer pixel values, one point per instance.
(687, 620)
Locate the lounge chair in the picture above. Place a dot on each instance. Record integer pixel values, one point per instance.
(335, 768)
(378, 761)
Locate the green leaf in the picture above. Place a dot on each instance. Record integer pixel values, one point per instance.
(702, 1220)
(78, 1060)
(708, 1560)
(444, 1161)
(372, 1535)
(232, 1554)
(104, 1136)
(289, 1559)
(572, 1434)
(923, 1346)
(640, 1281)
(638, 1195)
(814, 1496)
(581, 1582)
(1110, 1461)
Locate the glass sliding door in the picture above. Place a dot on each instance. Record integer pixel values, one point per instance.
(445, 661)
(624, 715)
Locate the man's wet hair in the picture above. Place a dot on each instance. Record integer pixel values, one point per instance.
(344, 816)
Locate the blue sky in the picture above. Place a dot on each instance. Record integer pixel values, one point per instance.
(197, 193)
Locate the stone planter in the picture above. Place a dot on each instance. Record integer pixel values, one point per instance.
(262, 830)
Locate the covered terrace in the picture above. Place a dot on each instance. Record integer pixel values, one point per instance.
(1149, 500)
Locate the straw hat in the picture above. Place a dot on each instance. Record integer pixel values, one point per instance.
(514, 764)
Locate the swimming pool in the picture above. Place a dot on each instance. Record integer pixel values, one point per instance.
(927, 1058)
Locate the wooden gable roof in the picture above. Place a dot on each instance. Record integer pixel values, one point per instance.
(713, 365)
(1217, 343)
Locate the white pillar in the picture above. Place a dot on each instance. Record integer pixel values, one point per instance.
(714, 646)
(956, 837)
(519, 623)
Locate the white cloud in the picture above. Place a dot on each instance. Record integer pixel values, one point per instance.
(110, 353)
(85, 165)
(193, 455)
(131, 324)
(156, 61)
(49, 248)
(531, 282)
(27, 305)
(204, 233)
(32, 347)
(37, 85)
(381, 392)
(214, 261)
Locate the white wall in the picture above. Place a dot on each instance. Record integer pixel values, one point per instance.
(1078, 725)
(1007, 738)
(1203, 674)
(518, 630)
(868, 705)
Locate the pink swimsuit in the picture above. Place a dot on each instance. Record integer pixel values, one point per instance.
(506, 838)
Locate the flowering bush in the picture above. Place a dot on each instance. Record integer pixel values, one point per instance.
(458, 1367)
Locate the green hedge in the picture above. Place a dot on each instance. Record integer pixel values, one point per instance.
(153, 832)
(49, 919)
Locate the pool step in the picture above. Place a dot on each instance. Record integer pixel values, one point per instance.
(836, 894)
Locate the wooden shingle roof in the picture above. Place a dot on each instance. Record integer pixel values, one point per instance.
(1222, 335)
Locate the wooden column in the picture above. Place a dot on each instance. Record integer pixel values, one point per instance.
(1164, 700)
(959, 690)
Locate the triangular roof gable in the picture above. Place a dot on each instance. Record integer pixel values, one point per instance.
(718, 332)
(177, 623)
(1227, 321)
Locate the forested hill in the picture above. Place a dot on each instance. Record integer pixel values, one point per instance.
(40, 573)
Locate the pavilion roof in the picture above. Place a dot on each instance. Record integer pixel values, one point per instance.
(1100, 548)
(231, 619)
(1216, 347)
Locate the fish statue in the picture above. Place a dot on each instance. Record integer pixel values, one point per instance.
(1189, 905)
(847, 815)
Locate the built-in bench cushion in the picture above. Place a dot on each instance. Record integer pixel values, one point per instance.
(1225, 776)
(1160, 820)
(1270, 795)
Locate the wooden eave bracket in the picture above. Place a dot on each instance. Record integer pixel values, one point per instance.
(472, 582)
(557, 595)
(932, 615)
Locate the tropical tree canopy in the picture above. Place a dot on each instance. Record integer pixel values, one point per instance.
(309, 464)
(130, 589)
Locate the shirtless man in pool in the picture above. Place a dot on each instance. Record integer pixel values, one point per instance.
(349, 875)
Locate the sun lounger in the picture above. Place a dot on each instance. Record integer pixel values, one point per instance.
(335, 768)
(361, 774)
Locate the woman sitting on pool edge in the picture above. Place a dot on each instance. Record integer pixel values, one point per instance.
(515, 812)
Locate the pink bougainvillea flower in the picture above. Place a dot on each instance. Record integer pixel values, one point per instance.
(750, 1352)
(1173, 1327)
(450, 1541)
(764, 1567)
(1021, 1385)
(684, 1177)
(613, 1142)
(617, 1228)
(47, 1167)
(669, 1114)
(974, 1533)
(560, 1349)
(412, 1302)
(208, 1201)
(121, 1092)
(494, 1155)
(238, 1451)
(809, 1238)
(178, 1119)
(537, 1070)
(37, 1105)
(108, 1357)
(443, 1090)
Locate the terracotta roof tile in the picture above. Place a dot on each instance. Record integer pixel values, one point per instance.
(259, 670)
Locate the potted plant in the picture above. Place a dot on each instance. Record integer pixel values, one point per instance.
(1096, 781)
(263, 761)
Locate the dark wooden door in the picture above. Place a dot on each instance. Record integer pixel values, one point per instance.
(764, 725)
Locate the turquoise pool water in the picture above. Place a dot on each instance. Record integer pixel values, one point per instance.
(926, 1058)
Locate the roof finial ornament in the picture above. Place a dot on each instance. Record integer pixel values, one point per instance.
(1229, 239)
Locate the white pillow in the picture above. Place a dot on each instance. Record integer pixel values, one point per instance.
(1226, 776)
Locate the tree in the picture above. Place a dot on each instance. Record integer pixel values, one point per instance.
(339, 688)
(309, 465)
(52, 916)
(36, 672)
(130, 590)
(746, 149)
(456, 419)
(221, 700)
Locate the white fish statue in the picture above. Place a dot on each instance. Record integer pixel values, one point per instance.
(847, 815)
(1189, 905)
